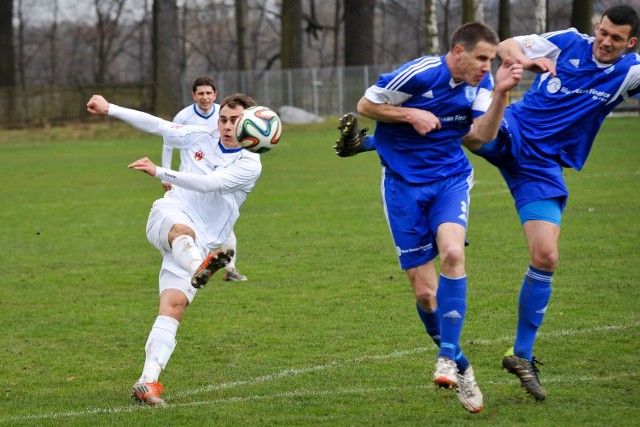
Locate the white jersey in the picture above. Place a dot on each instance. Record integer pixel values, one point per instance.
(191, 115)
(213, 182)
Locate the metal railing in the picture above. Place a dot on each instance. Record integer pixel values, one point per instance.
(322, 91)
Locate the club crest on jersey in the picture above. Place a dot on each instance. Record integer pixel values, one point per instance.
(470, 93)
(199, 155)
(554, 85)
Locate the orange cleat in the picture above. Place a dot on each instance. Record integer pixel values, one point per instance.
(148, 393)
(213, 262)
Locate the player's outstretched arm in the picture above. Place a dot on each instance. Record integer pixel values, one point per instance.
(145, 122)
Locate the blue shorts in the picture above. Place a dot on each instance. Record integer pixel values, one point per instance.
(414, 212)
(530, 175)
(549, 210)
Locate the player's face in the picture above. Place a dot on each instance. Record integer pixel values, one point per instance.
(474, 64)
(227, 124)
(611, 41)
(204, 96)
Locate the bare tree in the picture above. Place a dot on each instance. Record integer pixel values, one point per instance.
(241, 34)
(336, 31)
(166, 78)
(541, 16)
(358, 32)
(53, 48)
(504, 20)
(7, 58)
(108, 19)
(432, 46)
(581, 13)
(478, 10)
(291, 40)
(467, 11)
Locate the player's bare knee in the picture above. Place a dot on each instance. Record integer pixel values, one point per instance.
(452, 261)
(427, 300)
(180, 230)
(545, 260)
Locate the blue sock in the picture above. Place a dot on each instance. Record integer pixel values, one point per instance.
(431, 322)
(369, 144)
(452, 303)
(534, 297)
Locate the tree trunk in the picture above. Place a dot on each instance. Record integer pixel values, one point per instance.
(581, 13)
(432, 46)
(7, 58)
(358, 32)
(291, 42)
(241, 34)
(478, 10)
(467, 11)
(504, 23)
(166, 76)
(541, 16)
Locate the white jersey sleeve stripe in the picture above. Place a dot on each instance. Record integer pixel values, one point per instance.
(406, 75)
(631, 82)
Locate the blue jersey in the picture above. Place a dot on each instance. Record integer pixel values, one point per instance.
(427, 84)
(560, 116)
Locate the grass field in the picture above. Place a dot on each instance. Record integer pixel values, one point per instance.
(325, 331)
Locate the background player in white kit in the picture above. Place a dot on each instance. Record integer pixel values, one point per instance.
(203, 112)
(189, 224)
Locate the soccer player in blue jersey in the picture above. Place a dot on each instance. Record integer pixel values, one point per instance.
(423, 109)
(582, 79)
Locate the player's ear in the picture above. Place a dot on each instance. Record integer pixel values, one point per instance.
(457, 49)
(632, 42)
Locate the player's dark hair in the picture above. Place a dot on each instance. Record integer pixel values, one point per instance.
(203, 81)
(238, 99)
(623, 14)
(468, 35)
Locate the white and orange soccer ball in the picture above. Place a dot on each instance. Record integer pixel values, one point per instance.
(259, 129)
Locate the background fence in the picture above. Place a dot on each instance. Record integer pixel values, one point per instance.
(322, 91)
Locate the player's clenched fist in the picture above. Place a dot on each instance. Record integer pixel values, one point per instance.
(98, 105)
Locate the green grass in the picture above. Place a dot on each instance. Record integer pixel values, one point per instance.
(325, 330)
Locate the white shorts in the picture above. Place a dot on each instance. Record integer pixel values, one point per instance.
(170, 280)
(161, 218)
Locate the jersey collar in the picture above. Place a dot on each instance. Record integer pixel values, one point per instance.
(228, 150)
(202, 114)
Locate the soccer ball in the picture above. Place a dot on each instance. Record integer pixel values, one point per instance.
(259, 129)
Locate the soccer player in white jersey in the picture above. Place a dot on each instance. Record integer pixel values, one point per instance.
(203, 112)
(582, 79)
(190, 223)
(423, 109)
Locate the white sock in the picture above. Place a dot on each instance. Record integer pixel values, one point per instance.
(230, 243)
(186, 253)
(232, 264)
(160, 346)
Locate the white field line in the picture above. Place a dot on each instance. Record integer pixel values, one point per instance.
(303, 393)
